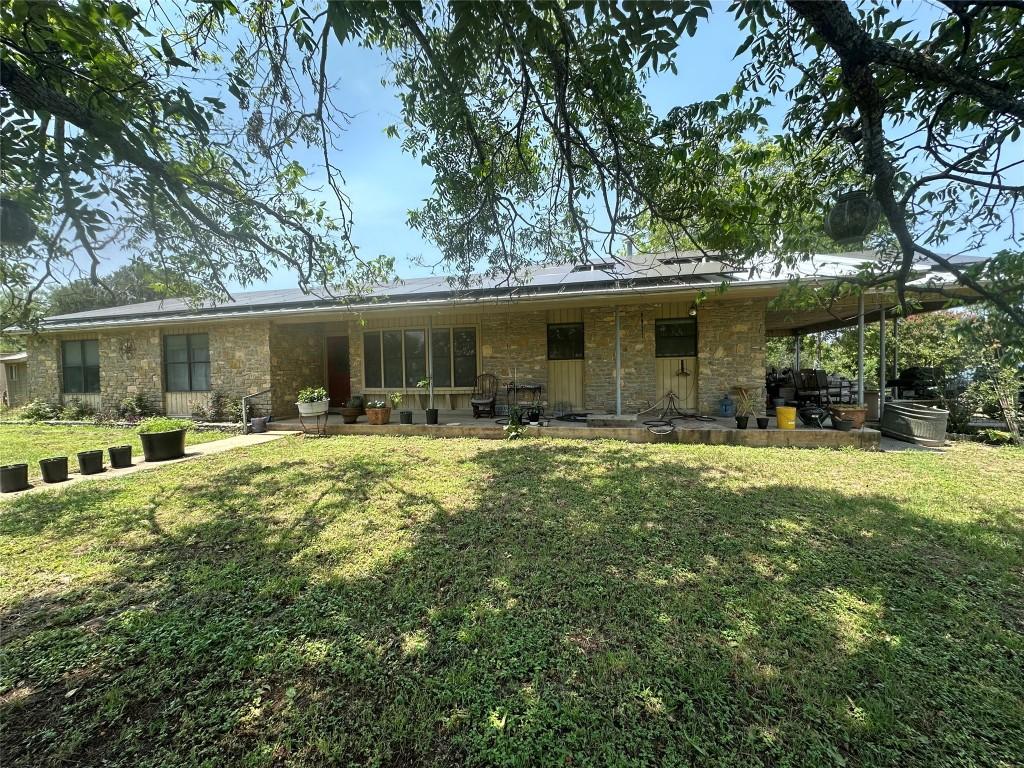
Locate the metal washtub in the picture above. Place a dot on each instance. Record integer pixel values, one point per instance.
(912, 423)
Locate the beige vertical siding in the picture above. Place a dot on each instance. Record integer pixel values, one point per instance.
(181, 404)
(565, 377)
(668, 379)
(93, 400)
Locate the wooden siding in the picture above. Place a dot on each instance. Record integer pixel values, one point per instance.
(91, 399)
(565, 377)
(180, 404)
(668, 379)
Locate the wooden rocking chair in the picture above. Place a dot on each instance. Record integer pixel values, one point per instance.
(484, 395)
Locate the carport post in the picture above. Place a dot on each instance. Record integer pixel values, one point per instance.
(796, 353)
(881, 362)
(860, 348)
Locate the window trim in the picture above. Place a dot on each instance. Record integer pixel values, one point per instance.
(189, 362)
(429, 350)
(81, 366)
(696, 336)
(583, 338)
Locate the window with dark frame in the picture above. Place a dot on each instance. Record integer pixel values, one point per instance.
(187, 363)
(80, 362)
(397, 359)
(675, 337)
(565, 341)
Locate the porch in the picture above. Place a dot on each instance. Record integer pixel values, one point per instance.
(628, 427)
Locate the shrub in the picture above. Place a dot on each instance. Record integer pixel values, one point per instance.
(312, 395)
(40, 410)
(199, 412)
(76, 410)
(233, 411)
(162, 424)
(996, 436)
(134, 407)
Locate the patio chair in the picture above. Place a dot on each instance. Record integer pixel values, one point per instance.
(484, 395)
(812, 387)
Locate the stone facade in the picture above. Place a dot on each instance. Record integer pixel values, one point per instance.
(730, 349)
(296, 362)
(250, 356)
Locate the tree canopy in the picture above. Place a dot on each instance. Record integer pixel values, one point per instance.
(534, 119)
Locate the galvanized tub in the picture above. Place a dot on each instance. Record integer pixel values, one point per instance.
(912, 423)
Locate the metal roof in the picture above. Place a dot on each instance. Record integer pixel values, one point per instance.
(684, 270)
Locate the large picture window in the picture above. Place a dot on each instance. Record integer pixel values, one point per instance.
(675, 338)
(187, 363)
(398, 359)
(565, 341)
(81, 366)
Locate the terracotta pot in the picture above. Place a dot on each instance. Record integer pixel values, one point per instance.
(854, 413)
(378, 416)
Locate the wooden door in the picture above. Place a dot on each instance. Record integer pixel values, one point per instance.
(339, 385)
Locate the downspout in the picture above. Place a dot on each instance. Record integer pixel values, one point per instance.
(618, 363)
(860, 348)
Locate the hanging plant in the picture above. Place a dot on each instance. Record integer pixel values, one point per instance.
(854, 216)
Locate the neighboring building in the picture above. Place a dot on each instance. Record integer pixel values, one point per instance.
(563, 329)
(13, 379)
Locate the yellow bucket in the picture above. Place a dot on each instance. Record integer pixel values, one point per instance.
(785, 415)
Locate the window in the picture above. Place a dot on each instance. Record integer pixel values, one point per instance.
(675, 338)
(398, 359)
(187, 363)
(81, 366)
(565, 341)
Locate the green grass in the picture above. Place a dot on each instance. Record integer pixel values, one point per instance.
(402, 601)
(32, 442)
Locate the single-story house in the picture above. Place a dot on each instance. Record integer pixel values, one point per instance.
(600, 338)
(13, 378)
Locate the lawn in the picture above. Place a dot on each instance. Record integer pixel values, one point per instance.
(403, 601)
(31, 442)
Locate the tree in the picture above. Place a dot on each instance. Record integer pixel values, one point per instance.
(533, 117)
(129, 284)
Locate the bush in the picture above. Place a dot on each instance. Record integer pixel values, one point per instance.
(40, 410)
(996, 436)
(199, 412)
(163, 424)
(76, 410)
(134, 407)
(233, 411)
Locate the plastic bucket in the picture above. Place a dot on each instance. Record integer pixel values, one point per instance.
(786, 416)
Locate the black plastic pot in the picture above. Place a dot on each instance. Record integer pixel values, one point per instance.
(162, 446)
(741, 422)
(90, 462)
(54, 470)
(762, 422)
(431, 415)
(405, 417)
(13, 477)
(120, 456)
(843, 425)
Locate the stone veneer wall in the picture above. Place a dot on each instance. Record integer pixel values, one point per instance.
(731, 349)
(636, 325)
(131, 361)
(296, 362)
(515, 344)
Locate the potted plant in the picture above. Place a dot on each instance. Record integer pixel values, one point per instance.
(54, 470)
(378, 412)
(90, 462)
(313, 401)
(163, 438)
(352, 410)
(13, 477)
(120, 456)
(428, 384)
(404, 417)
(855, 412)
(744, 407)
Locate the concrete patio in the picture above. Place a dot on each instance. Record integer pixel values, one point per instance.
(628, 427)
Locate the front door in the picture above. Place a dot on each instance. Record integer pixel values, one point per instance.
(338, 383)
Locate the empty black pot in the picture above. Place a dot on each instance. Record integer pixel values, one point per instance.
(741, 422)
(163, 446)
(762, 422)
(90, 462)
(54, 470)
(405, 417)
(13, 477)
(843, 425)
(120, 456)
(431, 415)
